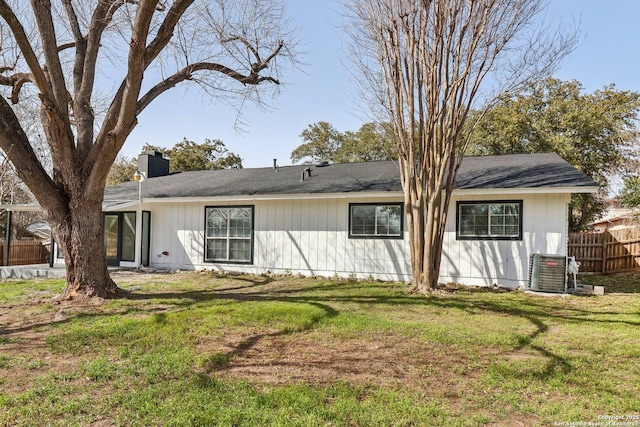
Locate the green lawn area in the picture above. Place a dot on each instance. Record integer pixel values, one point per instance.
(200, 349)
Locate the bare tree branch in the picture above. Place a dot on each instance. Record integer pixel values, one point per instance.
(8, 67)
(73, 20)
(160, 7)
(187, 74)
(136, 66)
(66, 46)
(55, 74)
(260, 65)
(15, 81)
(85, 72)
(245, 42)
(15, 143)
(19, 80)
(162, 38)
(24, 44)
(165, 32)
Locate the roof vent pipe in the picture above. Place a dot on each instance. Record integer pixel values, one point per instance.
(275, 163)
(308, 171)
(302, 177)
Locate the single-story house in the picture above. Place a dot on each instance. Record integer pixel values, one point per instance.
(340, 219)
(616, 217)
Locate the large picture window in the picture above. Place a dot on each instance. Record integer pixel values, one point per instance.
(229, 234)
(382, 221)
(500, 220)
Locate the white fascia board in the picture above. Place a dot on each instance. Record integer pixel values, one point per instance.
(244, 198)
(538, 190)
(107, 206)
(114, 206)
(21, 208)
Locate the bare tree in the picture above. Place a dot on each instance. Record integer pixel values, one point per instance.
(13, 191)
(426, 63)
(56, 54)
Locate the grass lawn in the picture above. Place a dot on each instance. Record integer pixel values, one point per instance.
(195, 349)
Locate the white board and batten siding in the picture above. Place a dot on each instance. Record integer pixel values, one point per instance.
(506, 262)
(307, 236)
(310, 236)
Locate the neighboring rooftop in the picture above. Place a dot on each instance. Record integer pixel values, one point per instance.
(508, 171)
(616, 216)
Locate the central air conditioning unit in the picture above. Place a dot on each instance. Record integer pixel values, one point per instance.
(548, 273)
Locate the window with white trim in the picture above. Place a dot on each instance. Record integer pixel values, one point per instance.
(381, 221)
(499, 220)
(229, 234)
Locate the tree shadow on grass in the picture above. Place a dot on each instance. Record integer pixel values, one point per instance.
(535, 313)
(330, 296)
(250, 342)
(249, 282)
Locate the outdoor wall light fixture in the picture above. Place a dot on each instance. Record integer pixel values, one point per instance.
(139, 177)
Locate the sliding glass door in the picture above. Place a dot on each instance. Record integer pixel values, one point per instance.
(111, 238)
(120, 238)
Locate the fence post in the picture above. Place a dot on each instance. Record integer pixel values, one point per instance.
(605, 239)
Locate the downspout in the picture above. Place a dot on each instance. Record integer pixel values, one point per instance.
(7, 247)
(139, 177)
(52, 251)
(138, 242)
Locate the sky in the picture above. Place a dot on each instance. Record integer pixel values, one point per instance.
(609, 52)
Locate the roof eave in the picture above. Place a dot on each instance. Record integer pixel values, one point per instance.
(527, 190)
(363, 194)
(256, 197)
(118, 205)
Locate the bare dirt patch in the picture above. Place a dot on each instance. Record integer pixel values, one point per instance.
(312, 360)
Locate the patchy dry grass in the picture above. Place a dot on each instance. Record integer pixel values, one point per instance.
(196, 349)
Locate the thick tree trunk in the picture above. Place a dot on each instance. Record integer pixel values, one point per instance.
(431, 253)
(424, 223)
(436, 222)
(79, 233)
(416, 245)
(423, 278)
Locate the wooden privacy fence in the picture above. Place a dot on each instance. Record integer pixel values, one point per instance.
(608, 252)
(24, 253)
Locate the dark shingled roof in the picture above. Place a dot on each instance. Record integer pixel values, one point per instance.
(508, 171)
